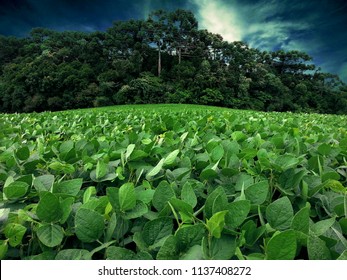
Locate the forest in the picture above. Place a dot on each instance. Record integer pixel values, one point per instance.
(165, 58)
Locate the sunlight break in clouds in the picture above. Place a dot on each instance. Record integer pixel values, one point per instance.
(343, 71)
(259, 23)
(217, 17)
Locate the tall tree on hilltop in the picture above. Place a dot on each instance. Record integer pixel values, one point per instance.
(157, 28)
(184, 31)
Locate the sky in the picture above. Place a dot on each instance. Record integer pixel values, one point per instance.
(317, 27)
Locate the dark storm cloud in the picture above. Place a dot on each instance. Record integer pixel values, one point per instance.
(20, 16)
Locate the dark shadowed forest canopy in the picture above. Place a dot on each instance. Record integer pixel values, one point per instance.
(163, 59)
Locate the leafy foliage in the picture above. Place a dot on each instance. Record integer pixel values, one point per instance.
(163, 59)
(172, 182)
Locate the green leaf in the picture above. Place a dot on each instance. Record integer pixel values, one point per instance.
(211, 199)
(138, 154)
(23, 153)
(107, 177)
(16, 190)
(188, 194)
(208, 174)
(334, 185)
(280, 213)
(119, 253)
(155, 170)
(64, 168)
(170, 159)
(181, 206)
(162, 195)
(282, 246)
(216, 224)
(70, 187)
(139, 210)
(237, 213)
(217, 153)
(122, 228)
(66, 147)
(301, 220)
(324, 149)
(88, 193)
(50, 235)
(322, 226)
(14, 232)
(189, 236)
(129, 151)
(127, 197)
(113, 197)
(49, 208)
(112, 223)
(317, 249)
(169, 250)
(144, 195)
(155, 230)
(44, 256)
(263, 159)
(290, 180)
(142, 255)
(343, 256)
(43, 183)
(3, 249)
(330, 175)
(89, 225)
(285, 162)
(66, 207)
(101, 169)
(194, 253)
(315, 163)
(222, 248)
(258, 192)
(73, 254)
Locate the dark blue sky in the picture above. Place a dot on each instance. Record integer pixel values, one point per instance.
(317, 27)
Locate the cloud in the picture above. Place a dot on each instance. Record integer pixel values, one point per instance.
(18, 17)
(219, 17)
(317, 30)
(261, 23)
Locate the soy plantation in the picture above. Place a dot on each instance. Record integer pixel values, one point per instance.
(173, 182)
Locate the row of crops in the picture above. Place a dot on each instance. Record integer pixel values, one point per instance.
(173, 182)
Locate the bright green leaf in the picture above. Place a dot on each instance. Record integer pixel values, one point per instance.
(50, 235)
(127, 197)
(70, 187)
(89, 225)
(237, 213)
(14, 232)
(282, 246)
(155, 170)
(216, 224)
(155, 230)
(280, 213)
(16, 190)
(258, 192)
(170, 159)
(49, 208)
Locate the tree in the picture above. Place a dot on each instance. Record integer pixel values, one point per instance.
(164, 58)
(157, 28)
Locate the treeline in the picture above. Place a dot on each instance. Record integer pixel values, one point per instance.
(164, 59)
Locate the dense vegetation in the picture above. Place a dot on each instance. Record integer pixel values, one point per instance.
(164, 59)
(173, 182)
